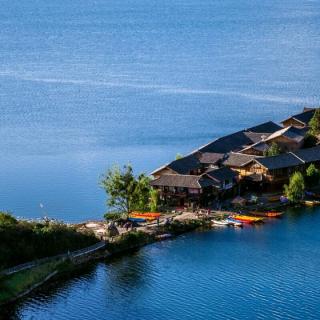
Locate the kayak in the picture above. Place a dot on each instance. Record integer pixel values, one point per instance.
(269, 214)
(248, 219)
(140, 216)
(146, 214)
(136, 219)
(220, 222)
(235, 222)
(311, 203)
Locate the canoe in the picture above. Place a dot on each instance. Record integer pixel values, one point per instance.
(136, 219)
(220, 222)
(248, 219)
(139, 216)
(146, 214)
(235, 222)
(311, 203)
(268, 214)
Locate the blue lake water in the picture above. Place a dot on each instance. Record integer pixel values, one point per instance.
(84, 85)
(270, 271)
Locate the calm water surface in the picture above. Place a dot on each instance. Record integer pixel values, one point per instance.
(84, 85)
(263, 272)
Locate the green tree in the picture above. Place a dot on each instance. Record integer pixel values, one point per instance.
(310, 140)
(315, 123)
(154, 200)
(142, 193)
(6, 219)
(312, 176)
(120, 186)
(273, 150)
(179, 156)
(126, 192)
(296, 188)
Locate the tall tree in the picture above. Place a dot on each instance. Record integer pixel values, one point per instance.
(315, 123)
(120, 186)
(154, 200)
(142, 193)
(125, 192)
(296, 188)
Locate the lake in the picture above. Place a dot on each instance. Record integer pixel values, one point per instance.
(85, 85)
(268, 271)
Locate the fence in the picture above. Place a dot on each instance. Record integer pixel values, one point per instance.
(62, 257)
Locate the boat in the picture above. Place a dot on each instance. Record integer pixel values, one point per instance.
(311, 203)
(220, 222)
(274, 198)
(234, 222)
(268, 214)
(247, 219)
(154, 215)
(133, 219)
(139, 216)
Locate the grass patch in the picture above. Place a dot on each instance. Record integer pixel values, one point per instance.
(15, 284)
(129, 240)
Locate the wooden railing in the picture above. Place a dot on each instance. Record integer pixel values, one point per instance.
(62, 257)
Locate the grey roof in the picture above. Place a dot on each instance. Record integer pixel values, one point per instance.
(309, 154)
(183, 181)
(222, 174)
(238, 140)
(303, 117)
(259, 146)
(267, 127)
(185, 164)
(256, 137)
(211, 157)
(280, 161)
(290, 132)
(238, 159)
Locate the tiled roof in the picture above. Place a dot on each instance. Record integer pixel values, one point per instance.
(259, 146)
(303, 117)
(280, 161)
(238, 140)
(309, 154)
(267, 127)
(210, 157)
(183, 181)
(290, 132)
(185, 164)
(222, 174)
(238, 159)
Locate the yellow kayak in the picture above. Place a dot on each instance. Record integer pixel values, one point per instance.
(248, 219)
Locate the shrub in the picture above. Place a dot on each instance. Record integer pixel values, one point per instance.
(296, 188)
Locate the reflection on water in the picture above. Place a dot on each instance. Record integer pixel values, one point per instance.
(264, 272)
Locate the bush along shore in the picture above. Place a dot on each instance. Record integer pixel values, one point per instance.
(16, 282)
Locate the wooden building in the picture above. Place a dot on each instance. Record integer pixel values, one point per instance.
(189, 190)
(300, 120)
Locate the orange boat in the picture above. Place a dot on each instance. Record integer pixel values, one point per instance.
(268, 214)
(247, 219)
(145, 215)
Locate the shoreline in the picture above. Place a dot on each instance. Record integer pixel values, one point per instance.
(127, 241)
